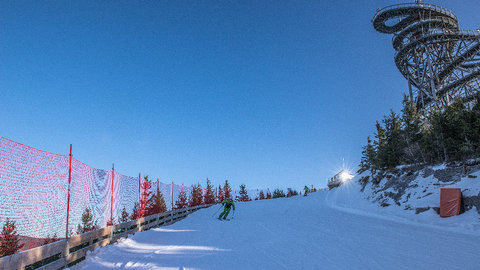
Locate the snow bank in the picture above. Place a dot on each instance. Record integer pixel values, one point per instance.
(421, 193)
(335, 229)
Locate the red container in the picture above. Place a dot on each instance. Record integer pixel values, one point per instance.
(450, 201)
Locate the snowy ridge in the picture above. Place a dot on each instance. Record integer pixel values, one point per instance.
(348, 198)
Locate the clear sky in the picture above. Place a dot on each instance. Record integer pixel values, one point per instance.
(265, 93)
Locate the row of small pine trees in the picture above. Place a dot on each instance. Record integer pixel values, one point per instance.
(444, 134)
(150, 203)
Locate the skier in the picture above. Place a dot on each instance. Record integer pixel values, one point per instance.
(306, 190)
(227, 203)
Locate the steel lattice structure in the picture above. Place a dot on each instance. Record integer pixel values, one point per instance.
(438, 59)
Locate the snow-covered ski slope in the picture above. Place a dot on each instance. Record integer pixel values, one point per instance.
(326, 230)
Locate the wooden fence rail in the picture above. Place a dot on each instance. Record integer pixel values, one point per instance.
(68, 252)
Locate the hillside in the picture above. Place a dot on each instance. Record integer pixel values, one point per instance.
(417, 188)
(335, 229)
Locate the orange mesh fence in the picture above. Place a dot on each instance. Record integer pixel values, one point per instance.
(34, 192)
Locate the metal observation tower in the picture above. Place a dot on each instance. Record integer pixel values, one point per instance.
(440, 61)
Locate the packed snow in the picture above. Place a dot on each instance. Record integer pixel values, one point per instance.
(335, 229)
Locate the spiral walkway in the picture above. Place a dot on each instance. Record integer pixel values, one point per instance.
(437, 58)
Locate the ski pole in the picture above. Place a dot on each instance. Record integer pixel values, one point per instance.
(216, 211)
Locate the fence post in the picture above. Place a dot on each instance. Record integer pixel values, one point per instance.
(139, 195)
(171, 212)
(69, 181)
(111, 200)
(172, 194)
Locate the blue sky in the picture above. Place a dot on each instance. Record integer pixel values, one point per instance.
(265, 93)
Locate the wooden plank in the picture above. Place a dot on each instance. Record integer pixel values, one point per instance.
(77, 254)
(88, 236)
(27, 257)
(59, 264)
(125, 225)
(100, 244)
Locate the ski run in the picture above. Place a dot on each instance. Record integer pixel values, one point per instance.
(335, 229)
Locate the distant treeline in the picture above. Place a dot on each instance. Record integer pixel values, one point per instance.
(444, 134)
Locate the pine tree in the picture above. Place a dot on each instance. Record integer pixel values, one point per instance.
(111, 222)
(145, 197)
(182, 201)
(221, 196)
(393, 129)
(227, 190)
(261, 196)
(243, 194)
(278, 193)
(412, 131)
(157, 203)
(379, 146)
(49, 239)
(125, 215)
(196, 197)
(368, 158)
(9, 239)
(209, 195)
(88, 223)
(134, 211)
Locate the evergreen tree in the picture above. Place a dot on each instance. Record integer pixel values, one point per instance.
(196, 197)
(379, 146)
(278, 193)
(111, 222)
(145, 197)
(182, 201)
(243, 194)
(445, 134)
(261, 196)
(88, 223)
(9, 239)
(227, 190)
(134, 211)
(221, 196)
(157, 203)
(456, 130)
(412, 132)
(49, 239)
(368, 158)
(209, 195)
(394, 147)
(124, 217)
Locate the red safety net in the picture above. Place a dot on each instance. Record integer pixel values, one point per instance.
(34, 192)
